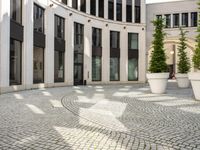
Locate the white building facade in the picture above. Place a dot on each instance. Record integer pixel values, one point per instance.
(176, 14)
(48, 43)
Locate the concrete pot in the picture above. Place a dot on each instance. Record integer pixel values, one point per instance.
(195, 81)
(158, 82)
(182, 80)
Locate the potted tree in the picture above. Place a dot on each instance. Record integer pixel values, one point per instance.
(158, 77)
(183, 63)
(195, 76)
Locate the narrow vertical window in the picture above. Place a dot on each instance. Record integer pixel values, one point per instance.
(111, 9)
(184, 19)
(194, 19)
(93, 7)
(128, 11)
(38, 19)
(16, 10)
(167, 21)
(83, 5)
(101, 8)
(175, 20)
(75, 4)
(119, 10)
(137, 11)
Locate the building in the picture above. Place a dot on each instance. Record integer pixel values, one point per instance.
(182, 13)
(48, 43)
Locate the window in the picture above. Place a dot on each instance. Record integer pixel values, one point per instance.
(137, 11)
(78, 34)
(158, 16)
(64, 1)
(114, 69)
(167, 21)
(132, 56)
(119, 10)
(83, 5)
(176, 20)
(184, 19)
(38, 65)
(59, 66)
(59, 27)
(38, 19)
(96, 37)
(93, 7)
(110, 9)
(114, 39)
(75, 4)
(15, 62)
(128, 11)
(96, 68)
(101, 8)
(194, 19)
(16, 10)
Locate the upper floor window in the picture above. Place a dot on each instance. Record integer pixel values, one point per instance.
(119, 10)
(75, 4)
(96, 37)
(101, 8)
(184, 19)
(16, 10)
(194, 19)
(38, 19)
(110, 9)
(128, 11)
(176, 20)
(59, 27)
(83, 5)
(64, 1)
(167, 21)
(93, 7)
(114, 39)
(133, 41)
(137, 11)
(158, 16)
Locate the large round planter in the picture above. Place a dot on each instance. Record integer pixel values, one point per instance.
(182, 80)
(195, 81)
(158, 82)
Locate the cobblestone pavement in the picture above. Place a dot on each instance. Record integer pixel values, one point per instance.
(100, 117)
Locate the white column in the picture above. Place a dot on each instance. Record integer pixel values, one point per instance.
(115, 9)
(180, 20)
(28, 44)
(69, 3)
(79, 5)
(88, 53)
(4, 42)
(123, 56)
(189, 19)
(124, 10)
(105, 55)
(133, 11)
(172, 21)
(106, 9)
(97, 8)
(69, 53)
(143, 11)
(88, 6)
(49, 50)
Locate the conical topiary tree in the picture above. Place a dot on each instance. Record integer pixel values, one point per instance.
(158, 57)
(196, 57)
(183, 63)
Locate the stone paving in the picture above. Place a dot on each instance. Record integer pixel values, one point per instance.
(118, 117)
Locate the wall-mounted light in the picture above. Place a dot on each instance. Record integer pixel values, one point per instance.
(106, 25)
(70, 14)
(142, 29)
(51, 5)
(89, 20)
(124, 27)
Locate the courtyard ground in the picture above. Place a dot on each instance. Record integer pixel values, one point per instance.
(114, 117)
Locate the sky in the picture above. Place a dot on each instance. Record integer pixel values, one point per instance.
(154, 1)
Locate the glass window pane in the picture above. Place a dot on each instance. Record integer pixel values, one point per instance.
(114, 39)
(167, 21)
(185, 19)
(83, 5)
(128, 11)
(194, 19)
(38, 65)
(93, 7)
(38, 19)
(137, 11)
(96, 37)
(64, 1)
(101, 8)
(96, 68)
(16, 10)
(59, 66)
(75, 4)
(114, 69)
(119, 10)
(132, 69)
(15, 62)
(176, 20)
(110, 9)
(133, 41)
(59, 27)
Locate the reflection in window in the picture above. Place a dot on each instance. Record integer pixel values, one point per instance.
(110, 9)
(184, 19)
(137, 11)
(176, 20)
(96, 68)
(132, 69)
(133, 41)
(16, 10)
(38, 19)
(59, 27)
(59, 66)
(15, 62)
(119, 10)
(96, 37)
(194, 19)
(38, 65)
(167, 21)
(114, 39)
(128, 11)
(114, 69)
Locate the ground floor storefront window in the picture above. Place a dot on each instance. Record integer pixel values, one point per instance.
(114, 69)
(132, 69)
(59, 66)
(96, 68)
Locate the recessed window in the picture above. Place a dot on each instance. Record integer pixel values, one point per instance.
(96, 68)
(101, 8)
(96, 37)
(119, 10)
(184, 19)
(93, 7)
(128, 11)
(59, 27)
(16, 10)
(38, 19)
(110, 9)
(59, 66)
(83, 5)
(175, 20)
(114, 39)
(194, 19)
(64, 1)
(137, 11)
(133, 41)
(167, 21)
(75, 4)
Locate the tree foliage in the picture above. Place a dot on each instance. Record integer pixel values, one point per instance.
(158, 56)
(184, 62)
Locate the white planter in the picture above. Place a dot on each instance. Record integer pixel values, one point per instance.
(158, 82)
(195, 81)
(182, 80)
